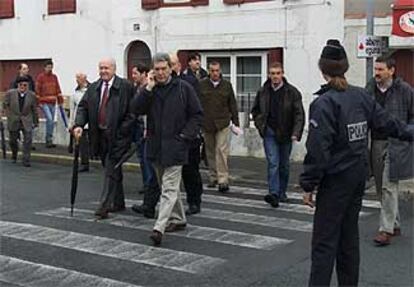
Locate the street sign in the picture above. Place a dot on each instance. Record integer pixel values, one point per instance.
(371, 46)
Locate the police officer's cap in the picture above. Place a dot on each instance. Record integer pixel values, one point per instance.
(333, 61)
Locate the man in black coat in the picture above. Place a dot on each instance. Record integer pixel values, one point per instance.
(279, 117)
(174, 118)
(106, 108)
(191, 172)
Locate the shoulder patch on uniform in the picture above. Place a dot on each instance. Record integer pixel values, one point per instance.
(313, 123)
(357, 131)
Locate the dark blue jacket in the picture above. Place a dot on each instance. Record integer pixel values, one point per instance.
(174, 117)
(339, 122)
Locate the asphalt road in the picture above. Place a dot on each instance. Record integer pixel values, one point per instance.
(237, 240)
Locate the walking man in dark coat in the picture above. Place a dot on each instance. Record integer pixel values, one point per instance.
(106, 108)
(174, 118)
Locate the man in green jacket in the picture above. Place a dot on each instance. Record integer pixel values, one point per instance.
(220, 107)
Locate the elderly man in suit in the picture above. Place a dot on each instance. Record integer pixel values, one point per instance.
(106, 108)
(20, 108)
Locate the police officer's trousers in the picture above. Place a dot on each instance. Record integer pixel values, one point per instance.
(335, 232)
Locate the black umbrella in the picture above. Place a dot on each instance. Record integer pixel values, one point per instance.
(3, 140)
(74, 186)
(132, 150)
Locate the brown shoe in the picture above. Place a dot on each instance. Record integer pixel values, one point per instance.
(101, 213)
(172, 227)
(156, 237)
(383, 238)
(397, 232)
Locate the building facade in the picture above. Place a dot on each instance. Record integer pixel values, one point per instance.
(244, 35)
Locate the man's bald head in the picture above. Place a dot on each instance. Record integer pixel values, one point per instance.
(175, 63)
(107, 68)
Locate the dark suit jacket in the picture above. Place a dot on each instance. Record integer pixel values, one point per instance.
(119, 117)
(28, 116)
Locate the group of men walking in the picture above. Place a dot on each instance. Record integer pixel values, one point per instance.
(172, 113)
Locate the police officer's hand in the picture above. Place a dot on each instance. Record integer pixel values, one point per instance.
(77, 133)
(308, 199)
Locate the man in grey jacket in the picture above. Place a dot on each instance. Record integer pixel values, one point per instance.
(391, 160)
(20, 106)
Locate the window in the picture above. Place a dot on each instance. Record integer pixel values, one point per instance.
(61, 6)
(155, 4)
(6, 9)
(245, 70)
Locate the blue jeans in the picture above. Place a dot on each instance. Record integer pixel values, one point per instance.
(277, 156)
(49, 112)
(148, 174)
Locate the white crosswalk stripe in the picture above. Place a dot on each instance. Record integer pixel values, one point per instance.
(25, 273)
(250, 218)
(134, 252)
(294, 195)
(236, 238)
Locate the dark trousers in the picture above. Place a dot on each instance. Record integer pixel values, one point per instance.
(335, 232)
(113, 192)
(191, 175)
(27, 143)
(152, 191)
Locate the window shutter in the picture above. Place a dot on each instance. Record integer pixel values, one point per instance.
(233, 2)
(150, 4)
(199, 2)
(275, 55)
(61, 6)
(6, 9)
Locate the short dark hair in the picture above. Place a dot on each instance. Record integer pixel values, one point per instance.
(213, 63)
(276, 65)
(21, 79)
(193, 56)
(387, 60)
(142, 68)
(47, 63)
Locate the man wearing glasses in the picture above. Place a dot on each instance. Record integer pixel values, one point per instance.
(279, 117)
(20, 107)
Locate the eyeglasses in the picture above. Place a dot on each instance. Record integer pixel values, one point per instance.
(23, 84)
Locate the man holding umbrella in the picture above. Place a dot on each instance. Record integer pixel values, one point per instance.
(106, 108)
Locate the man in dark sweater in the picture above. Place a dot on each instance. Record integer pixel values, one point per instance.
(278, 115)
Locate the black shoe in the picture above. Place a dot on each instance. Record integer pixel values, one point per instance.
(141, 191)
(14, 158)
(101, 213)
(117, 208)
(33, 148)
(142, 209)
(284, 199)
(27, 164)
(50, 145)
(273, 200)
(212, 184)
(193, 209)
(223, 187)
(84, 168)
(156, 237)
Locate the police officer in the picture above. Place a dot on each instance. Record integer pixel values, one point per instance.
(336, 164)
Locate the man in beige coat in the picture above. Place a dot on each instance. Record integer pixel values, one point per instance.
(20, 106)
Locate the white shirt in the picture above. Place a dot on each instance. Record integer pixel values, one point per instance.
(111, 81)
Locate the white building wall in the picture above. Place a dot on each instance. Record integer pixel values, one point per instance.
(100, 28)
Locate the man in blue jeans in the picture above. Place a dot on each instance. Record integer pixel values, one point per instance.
(279, 117)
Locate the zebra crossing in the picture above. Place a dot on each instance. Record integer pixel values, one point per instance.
(253, 219)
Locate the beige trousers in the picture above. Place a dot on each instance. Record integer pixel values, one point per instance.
(217, 151)
(171, 207)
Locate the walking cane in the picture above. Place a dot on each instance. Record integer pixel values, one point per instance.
(74, 185)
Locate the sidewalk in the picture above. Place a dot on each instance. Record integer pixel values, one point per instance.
(243, 170)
